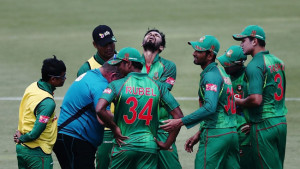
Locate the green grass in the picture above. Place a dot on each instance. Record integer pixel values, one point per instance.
(31, 31)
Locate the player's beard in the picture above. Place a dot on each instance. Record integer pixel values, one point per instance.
(150, 46)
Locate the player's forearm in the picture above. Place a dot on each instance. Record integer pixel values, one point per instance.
(251, 101)
(35, 133)
(172, 137)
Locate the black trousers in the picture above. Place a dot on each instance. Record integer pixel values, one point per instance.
(73, 153)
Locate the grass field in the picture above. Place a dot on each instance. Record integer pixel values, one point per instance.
(31, 31)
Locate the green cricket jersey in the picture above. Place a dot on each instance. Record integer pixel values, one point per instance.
(266, 75)
(217, 99)
(239, 85)
(163, 71)
(136, 99)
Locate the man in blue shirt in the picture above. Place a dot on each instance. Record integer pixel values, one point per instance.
(79, 131)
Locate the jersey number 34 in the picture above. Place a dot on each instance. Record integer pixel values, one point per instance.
(141, 115)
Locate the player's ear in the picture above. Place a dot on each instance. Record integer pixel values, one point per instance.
(161, 48)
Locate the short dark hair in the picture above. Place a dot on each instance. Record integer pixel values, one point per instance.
(52, 66)
(111, 69)
(137, 65)
(163, 36)
(260, 42)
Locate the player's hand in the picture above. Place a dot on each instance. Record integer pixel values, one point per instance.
(172, 124)
(189, 144)
(119, 137)
(161, 145)
(17, 135)
(246, 128)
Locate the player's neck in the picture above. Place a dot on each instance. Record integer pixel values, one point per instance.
(257, 50)
(149, 56)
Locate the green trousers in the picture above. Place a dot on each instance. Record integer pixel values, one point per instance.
(268, 139)
(218, 149)
(33, 158)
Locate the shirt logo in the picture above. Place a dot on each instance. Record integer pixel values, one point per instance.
(44, 119)
(211, 87)
(155, 77)
(170, 81)
(107, 90)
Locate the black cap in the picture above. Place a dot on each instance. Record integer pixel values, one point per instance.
(103, 35)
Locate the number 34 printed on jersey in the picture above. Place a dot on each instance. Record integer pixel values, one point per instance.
(141, 115)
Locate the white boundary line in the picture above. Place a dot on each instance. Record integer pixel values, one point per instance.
(177, 98)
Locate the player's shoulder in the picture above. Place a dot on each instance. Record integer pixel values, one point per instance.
(167, 62)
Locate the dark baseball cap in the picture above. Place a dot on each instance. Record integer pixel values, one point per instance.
(103, 35)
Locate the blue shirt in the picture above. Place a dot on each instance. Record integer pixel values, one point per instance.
(78, 116)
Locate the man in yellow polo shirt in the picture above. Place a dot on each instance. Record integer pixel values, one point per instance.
(37, 129)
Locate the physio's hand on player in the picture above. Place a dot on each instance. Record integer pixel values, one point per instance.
(161, 145)
(246, 128)
(119, 137)
(17, 135)
(171, 124)
(189, 144)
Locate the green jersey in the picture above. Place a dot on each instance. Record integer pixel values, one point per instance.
(163, 71)
(239, 85)
(136, 99)
(266, 75)
(217, 99)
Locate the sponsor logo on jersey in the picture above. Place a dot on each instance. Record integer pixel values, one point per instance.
(227, 80)
(155, 77)
(211, 87)
(55, 118)
(170, 81)
(107, 90)
(239, 88)
(44, 119)
(239, 96)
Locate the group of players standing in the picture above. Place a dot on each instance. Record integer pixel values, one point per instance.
(241, 115)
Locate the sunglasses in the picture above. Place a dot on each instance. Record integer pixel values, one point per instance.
(60, 77)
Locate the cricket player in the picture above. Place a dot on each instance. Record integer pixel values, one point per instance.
(233, 63)
(104, 41)
(266, 100)
(136, 99)
(218, 137)
(37, 129)
(164, 71)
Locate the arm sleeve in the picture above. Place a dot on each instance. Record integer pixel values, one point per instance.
(169, 76)
(168, 100)
(84, 68)
(44, 111)
(109, 93)
(255, 77)
(211, 85)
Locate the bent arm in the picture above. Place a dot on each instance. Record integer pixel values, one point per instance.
(251, 101)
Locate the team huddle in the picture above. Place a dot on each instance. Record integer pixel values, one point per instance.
(120, 113)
